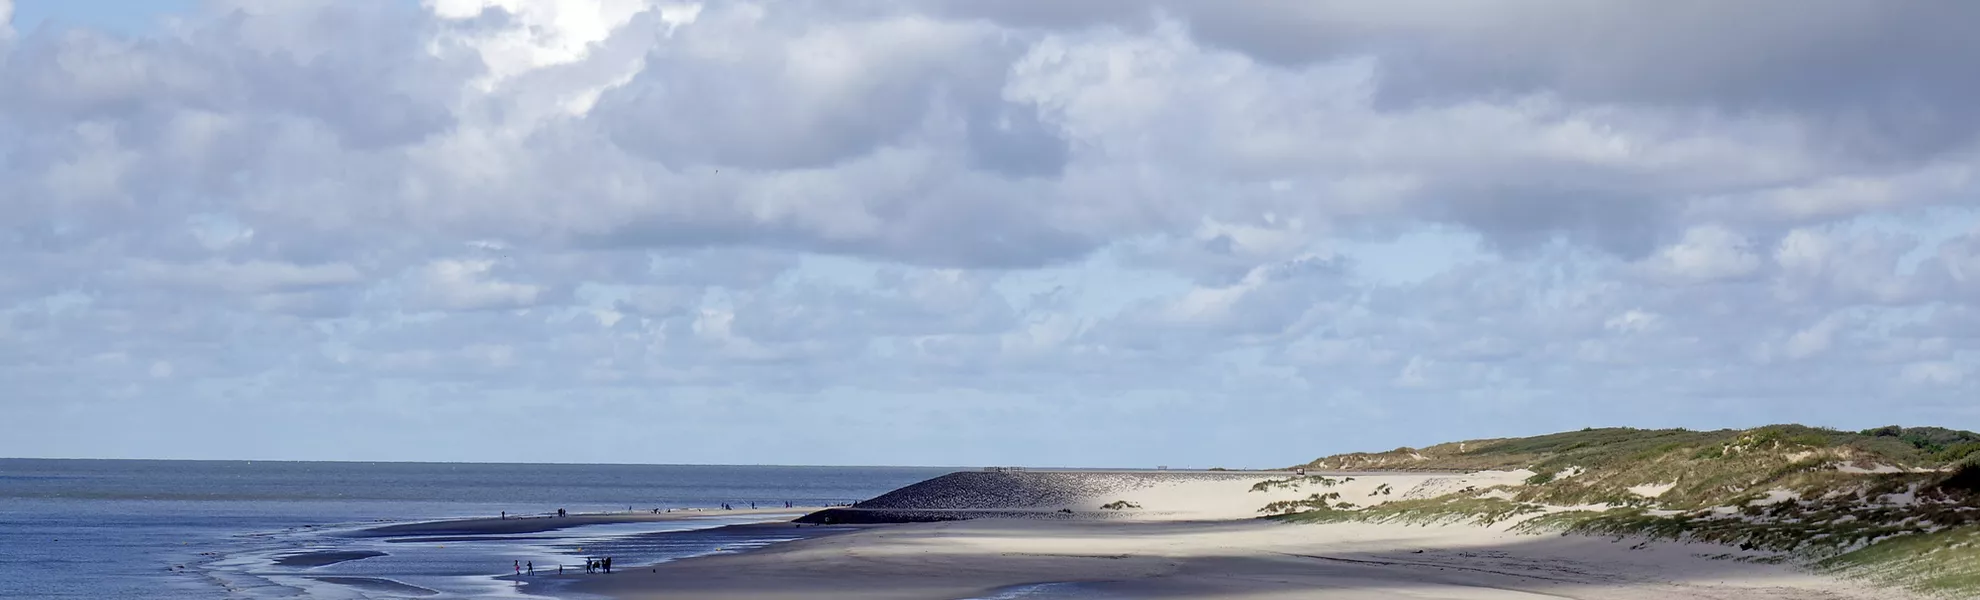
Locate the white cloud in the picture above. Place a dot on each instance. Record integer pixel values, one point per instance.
(1845, 268)
(469, 284)
(252, 276)
(1935, 373)
(1708, 253)
(542, 34)
(1632, 321)
(1138, 219)
(1811, 341)
(1960, 259)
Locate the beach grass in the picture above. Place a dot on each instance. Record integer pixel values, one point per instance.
(1945, 561)
(1432, 511)
(1897, 505)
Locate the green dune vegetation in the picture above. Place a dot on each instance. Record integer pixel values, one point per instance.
(1896, 505)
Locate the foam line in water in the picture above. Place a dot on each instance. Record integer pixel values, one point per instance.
(1042, 591)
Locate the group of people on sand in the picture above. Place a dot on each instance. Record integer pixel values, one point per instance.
(591, 565)
(561, 513)
(599, 565)
(752, 505)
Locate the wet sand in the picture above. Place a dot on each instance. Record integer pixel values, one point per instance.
(540, 524)
(378, 585)
(319, 559)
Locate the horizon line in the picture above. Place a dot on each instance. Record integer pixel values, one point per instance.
(620, 464)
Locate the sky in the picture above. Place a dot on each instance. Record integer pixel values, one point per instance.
(948, 232)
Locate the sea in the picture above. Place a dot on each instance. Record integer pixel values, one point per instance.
(113, 529)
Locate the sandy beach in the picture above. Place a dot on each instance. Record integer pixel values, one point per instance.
(1261, 560)
(1195, 536)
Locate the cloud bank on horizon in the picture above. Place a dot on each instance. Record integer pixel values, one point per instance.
(952, 232)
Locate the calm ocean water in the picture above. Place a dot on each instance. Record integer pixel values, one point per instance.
(100, 529)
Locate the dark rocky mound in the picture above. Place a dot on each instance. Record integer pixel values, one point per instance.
(1001, 494)
(867, 516)
(1001, 490)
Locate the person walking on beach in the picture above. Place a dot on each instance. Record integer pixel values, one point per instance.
(519, 568)
(608, 564)
(532, 567)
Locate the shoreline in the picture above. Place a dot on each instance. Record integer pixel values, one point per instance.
(751, 538)
(484, 526)
(397, 559)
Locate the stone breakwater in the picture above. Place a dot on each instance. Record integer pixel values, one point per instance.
(1016, 494)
